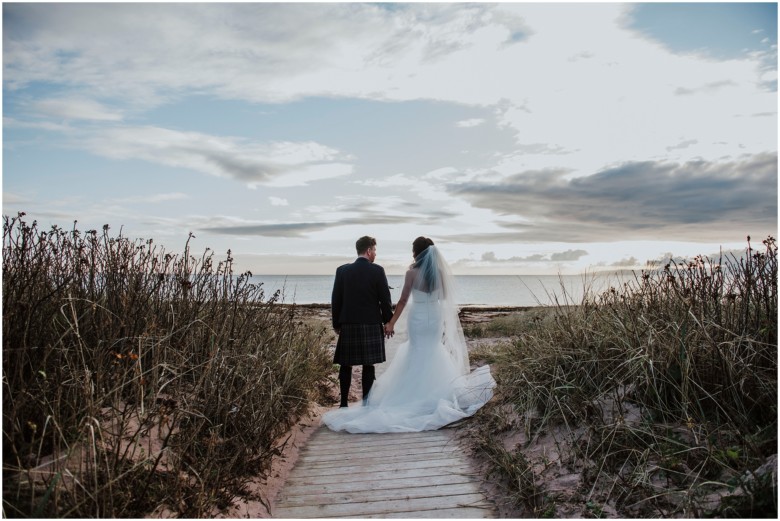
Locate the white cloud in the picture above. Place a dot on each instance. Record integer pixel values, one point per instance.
(278, 201)
(76, 108)
(9, 122)
(153, 198)
(275, 163)
(467, 123)
(12, 198)
(397, 180)
(563, 256)
(619, 103)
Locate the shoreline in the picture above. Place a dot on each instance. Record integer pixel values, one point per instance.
(462, 308)
(468, 314)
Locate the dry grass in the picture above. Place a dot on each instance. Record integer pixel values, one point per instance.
(660, 397)
(135, 380)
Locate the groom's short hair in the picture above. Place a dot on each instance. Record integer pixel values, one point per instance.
(364, 243)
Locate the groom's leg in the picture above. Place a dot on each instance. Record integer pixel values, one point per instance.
(369, 375)
(345, 379)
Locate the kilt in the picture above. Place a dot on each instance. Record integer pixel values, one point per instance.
(360, 344)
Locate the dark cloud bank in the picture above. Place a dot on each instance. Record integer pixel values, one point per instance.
(695, 201)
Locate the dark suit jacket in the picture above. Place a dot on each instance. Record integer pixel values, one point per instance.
(361, 294)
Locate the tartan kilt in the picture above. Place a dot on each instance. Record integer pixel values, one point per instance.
(360, 344)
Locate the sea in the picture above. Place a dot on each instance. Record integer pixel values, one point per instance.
(472, 290)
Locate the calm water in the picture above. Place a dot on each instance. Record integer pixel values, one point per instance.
(484, 290)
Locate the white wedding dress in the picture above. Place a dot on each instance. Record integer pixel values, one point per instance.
(428, 384)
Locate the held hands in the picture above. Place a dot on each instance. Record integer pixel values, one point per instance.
(389, 330)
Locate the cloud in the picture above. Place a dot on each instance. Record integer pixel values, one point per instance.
(624, 99)
(343, 211)
(278, 201)
(276, 163)
(708, 88)
(652, 200)
(12, 198)
(467, 123)
(300, 229)
(565, 256)
(263, 52)
(9, 122)
(153, 198)
(76, 108)
(626, 263)
(431, 186)
(683, 144)
(568, 255)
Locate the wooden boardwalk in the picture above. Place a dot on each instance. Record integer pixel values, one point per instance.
(407, 475)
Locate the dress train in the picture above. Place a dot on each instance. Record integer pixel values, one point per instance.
(424, 387)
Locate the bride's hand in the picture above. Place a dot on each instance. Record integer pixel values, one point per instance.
(389, 330)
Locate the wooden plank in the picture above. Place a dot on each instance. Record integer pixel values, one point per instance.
(392, 475)
(379, 463)
(421, 454)
(417, 434)
(292, 488)
(301, 477)
(379, 467)
(485, 512)
(381, 507)
(326, 433)
(348, 448)
(363, 496)
(372, 440)
(440, 432)
(363, 448)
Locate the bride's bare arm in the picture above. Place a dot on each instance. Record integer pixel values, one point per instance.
(399, 307)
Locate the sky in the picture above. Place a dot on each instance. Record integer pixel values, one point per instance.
(523, 138)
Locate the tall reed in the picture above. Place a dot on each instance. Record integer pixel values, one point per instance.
(135, 379)
(663, 392)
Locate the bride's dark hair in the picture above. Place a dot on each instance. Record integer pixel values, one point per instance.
(420, 244)
(427, 281)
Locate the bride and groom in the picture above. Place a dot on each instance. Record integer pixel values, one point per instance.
(428, 384)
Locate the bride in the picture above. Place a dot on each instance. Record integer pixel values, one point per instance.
(428, 384)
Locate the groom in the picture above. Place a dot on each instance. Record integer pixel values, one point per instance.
(360, 305)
